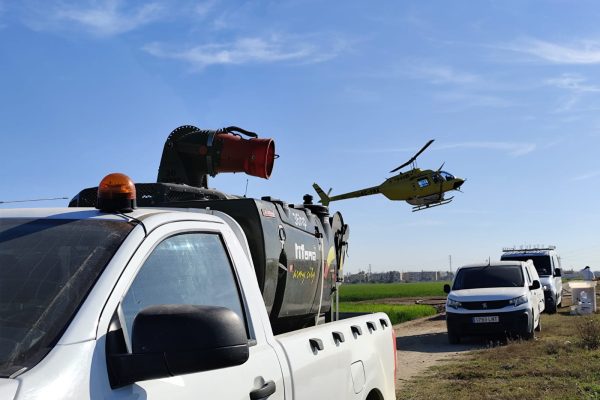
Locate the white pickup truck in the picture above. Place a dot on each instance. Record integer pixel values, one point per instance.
(163, 304)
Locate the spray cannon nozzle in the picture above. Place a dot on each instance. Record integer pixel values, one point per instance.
(190, 154)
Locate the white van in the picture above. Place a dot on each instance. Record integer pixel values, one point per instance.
(498, 298)
(547, 264)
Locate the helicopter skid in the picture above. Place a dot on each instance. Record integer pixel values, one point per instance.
(431, 205)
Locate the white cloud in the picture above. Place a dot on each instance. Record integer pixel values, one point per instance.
(589, 175)
(203, 8)
(583, 52)
(576, 86)
(459, 100)
(572, 82)
(444, 74)
(275, 48)
(512, 148)
(98, 17)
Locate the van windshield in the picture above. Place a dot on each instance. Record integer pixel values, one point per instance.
(541, 262)
(47, 268)
(489, 276)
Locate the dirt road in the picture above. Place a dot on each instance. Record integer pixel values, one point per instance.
(423, 343)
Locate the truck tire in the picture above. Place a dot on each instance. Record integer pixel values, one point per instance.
(529, 333)
(453, 337)
(552, 308)
(539, 327)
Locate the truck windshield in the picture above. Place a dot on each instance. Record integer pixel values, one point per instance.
(541, 262)
(47, 268)
(489, 276)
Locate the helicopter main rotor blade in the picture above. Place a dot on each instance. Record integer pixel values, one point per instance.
(414, 157)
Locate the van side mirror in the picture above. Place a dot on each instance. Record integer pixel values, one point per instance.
(557, 272)
(535, 285)
(447, 288)
(175, 339)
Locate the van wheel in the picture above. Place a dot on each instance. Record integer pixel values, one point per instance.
(539, 327)
(453, 338)
(551, 309)
(529, 334)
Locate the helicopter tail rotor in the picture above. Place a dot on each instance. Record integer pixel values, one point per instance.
(322, 195)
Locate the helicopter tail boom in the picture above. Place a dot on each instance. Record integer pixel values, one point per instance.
(326, 199)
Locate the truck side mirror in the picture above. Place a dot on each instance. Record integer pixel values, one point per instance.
(447, 288)
(186, 338)
(557, 272)
(535, 285)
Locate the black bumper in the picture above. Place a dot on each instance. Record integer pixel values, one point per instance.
(514, 322)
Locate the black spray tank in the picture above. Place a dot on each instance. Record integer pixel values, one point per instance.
(297, 250)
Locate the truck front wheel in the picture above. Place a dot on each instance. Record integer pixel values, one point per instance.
(529, 333)
(453, 337)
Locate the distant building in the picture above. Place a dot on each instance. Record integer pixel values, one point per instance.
(397, 276)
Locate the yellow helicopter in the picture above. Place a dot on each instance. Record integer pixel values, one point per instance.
(421, 189)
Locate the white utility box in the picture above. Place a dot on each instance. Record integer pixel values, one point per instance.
(583, 296)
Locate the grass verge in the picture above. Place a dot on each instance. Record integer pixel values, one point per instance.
(559, 364)
(397, 313)
(373, 291)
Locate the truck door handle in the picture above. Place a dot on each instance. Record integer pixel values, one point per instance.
(264, 392)
(316, 344)
(356, 330)
(371, 326)
(338, 337)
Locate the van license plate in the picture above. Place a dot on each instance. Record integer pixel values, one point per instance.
(486, 320)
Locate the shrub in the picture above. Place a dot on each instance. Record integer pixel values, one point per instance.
(588, 330)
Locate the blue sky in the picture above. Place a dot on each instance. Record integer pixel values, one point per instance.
(510, 90)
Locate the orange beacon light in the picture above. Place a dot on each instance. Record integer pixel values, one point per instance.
(116, 193)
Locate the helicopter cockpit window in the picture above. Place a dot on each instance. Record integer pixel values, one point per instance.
(423, 182)
(447, 176)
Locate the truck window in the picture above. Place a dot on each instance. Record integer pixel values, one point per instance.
(47, 268)
(191, 268)
(529, 280)
(489, 277)
(540, 262)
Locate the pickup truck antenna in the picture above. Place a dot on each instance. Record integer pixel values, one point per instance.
(30, 200)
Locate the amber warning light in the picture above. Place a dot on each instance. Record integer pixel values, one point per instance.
(116, 193)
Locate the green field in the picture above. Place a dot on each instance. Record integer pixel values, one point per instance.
(373, 291)
(397, 313)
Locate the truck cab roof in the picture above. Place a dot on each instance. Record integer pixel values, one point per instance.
(151, 217)
(491, 264)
